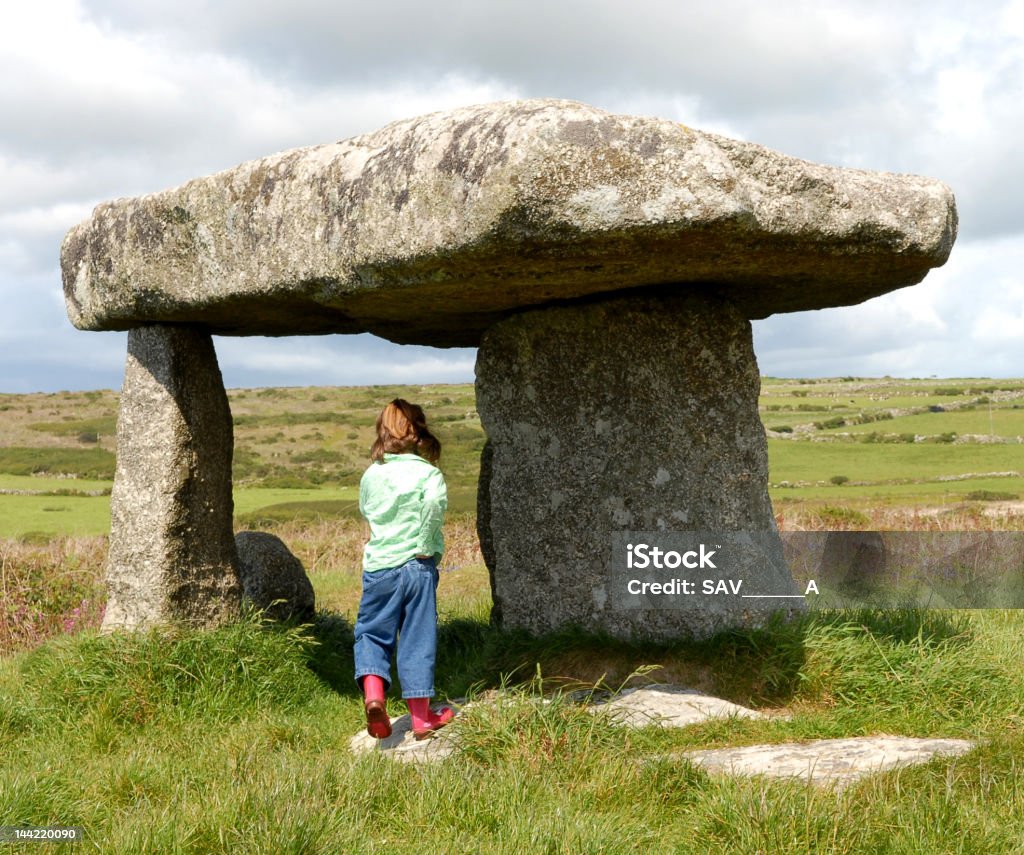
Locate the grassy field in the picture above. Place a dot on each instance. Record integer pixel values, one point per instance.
(299, 452)
(237, 740)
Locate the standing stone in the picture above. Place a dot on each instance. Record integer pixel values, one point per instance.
(638, 413)
(172, 551)
(273, 578)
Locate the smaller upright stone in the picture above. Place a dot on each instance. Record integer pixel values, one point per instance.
(172, 549)
(270, 574)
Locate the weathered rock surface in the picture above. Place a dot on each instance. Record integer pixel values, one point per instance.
(269, 573)
(431, 229)
(632, 414)
(404, 747)
(671, 706)
(172, 551)
(835, 762)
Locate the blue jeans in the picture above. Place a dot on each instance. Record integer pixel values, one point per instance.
(399, 607)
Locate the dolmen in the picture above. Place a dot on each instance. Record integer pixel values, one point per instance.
(607, 268)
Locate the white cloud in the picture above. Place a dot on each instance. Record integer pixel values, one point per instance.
(963, 320)
(338, 360)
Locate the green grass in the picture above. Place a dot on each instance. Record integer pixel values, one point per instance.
(935, 492)
(42, 484)
(78, 514)
(237, 740)
(90, 515)
(252, 499)
(885, 463)
(102, 425)
(54, 515)
(94, 463)
(315, 442)
(1004, 422)
(792, 403)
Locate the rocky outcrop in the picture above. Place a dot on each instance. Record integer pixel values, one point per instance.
(273, 578)
(430, 230)
(606, 265)
(172, 552)
(634, 414)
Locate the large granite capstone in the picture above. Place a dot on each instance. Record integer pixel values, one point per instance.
(432, 229)
(607, 266)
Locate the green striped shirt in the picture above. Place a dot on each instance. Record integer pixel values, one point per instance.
(404, 500)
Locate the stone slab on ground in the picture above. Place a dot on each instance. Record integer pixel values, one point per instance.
(405, 748)
(671, 706)
(836, 763)
(824, 762)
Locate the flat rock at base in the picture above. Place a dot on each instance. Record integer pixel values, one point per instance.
(823, 762)
(671, 706)
(403, 746)
(836, 762)
(431, 229)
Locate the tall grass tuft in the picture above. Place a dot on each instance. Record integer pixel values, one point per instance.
(535, 723)
(165, 674)
(910, 671)
(55, 586)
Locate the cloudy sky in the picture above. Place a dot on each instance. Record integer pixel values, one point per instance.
(110, 98)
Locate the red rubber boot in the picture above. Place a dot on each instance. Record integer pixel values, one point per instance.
(378, 725)
(425, 722)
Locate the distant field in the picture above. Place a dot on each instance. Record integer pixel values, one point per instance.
(931, 441)
(299, 452)
(46, 515)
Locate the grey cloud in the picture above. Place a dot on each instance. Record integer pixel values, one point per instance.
(338, 361)
(741, 56)
(942, 326)
(62, 360)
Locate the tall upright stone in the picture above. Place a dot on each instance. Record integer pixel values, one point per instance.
(172, 550)
(638, 413)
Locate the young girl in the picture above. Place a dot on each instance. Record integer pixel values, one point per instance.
(403, 497)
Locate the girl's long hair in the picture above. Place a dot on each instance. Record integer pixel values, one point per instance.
(402, 429)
